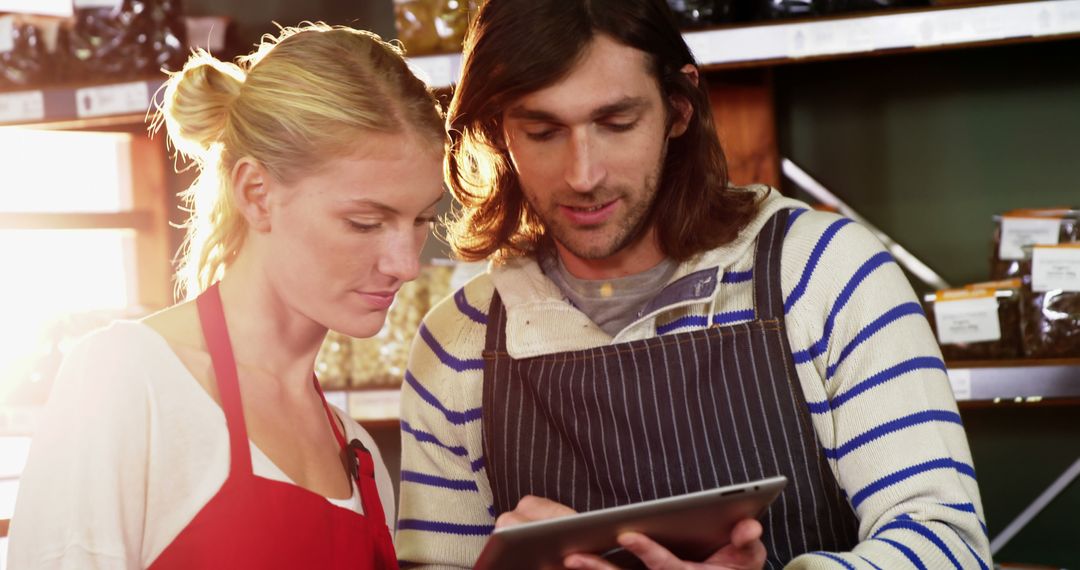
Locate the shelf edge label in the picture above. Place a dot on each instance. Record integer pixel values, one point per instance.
(112, 100)
(22, 107)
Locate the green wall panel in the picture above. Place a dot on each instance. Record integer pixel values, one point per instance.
(929, 146)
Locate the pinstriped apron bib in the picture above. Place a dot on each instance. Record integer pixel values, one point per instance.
(664, 416)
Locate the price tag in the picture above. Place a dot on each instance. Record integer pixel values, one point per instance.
(1056, 268)
(22, 107)
(967, 316)
(7, 33)
(112, 100)
(1018, 232)
(436, 70)
(98, 3)
(375, 404)
(960, 380)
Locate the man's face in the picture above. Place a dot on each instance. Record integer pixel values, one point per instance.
(589, 151)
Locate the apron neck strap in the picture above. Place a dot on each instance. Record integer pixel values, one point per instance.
(768, 296)
(216, 334)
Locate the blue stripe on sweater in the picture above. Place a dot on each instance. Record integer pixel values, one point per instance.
(891, 373)
(875, 566)
(982, 565)
(454, 363)
(478, 464)
(922, 530)
(892, 315)
(698, 321)
(835, 558)
(860, 275)
(737, 276)
(968, 508)
(446, 527)
(892, 426)
(439, 482)
(731, 317)
(911, 556)
(794, 215)
(474, 314)
(811, 264)
(909, 472)
(456, 418)
(491, 510)
(425, 437)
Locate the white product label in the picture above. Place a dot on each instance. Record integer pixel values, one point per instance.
(375, 404)
(1018, 232)
(98, 3)
(22, 107)
(339, 398)
(7, 34)
(1055, 268)
(207, 32)
(967, 320)
(960, 380)
(112, 100)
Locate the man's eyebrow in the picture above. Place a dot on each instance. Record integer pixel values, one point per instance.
(624, 105)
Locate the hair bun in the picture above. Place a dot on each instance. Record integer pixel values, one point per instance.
(197, 103)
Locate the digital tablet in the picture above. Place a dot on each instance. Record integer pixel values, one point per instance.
(692, 526)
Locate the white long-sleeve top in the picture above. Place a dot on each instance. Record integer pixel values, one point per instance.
(868, 365)
(128, 450)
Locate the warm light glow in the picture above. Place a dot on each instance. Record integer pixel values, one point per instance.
(45, 274)
(61, 171)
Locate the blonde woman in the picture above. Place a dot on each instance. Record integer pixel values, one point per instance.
(198, 437)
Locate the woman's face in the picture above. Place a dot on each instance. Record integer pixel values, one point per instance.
(343, 240)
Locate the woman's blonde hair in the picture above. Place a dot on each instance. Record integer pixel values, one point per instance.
(302, 98)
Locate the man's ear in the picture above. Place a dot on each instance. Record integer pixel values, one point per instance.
(684, 109)
(249, 187)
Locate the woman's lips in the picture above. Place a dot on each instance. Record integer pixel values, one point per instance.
(378, 299)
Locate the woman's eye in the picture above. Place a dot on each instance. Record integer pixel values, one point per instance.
(362, 227)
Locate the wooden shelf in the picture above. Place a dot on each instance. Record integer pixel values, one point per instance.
(80, 106)
(867, 33)
(1016, 381)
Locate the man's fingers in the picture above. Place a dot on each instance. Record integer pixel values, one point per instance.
(654, 556)
(587, 562)
(510, 518)
(746, 532)
(537, 508)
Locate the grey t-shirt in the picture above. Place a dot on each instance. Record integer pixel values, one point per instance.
(611, 303)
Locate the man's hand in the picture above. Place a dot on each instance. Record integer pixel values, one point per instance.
(745, 552)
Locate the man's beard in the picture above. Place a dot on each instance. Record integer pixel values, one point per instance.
(632, 226)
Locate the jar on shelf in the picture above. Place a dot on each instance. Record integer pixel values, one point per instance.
(1050, 301)
(978, 322)
(1029, 226)
(415, 23)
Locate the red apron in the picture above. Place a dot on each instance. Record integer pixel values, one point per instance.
(254, 522)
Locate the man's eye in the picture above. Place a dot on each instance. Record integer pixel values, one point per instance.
(540, 135)
(621, 127)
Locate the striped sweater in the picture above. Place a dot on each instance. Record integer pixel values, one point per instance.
(870, 371)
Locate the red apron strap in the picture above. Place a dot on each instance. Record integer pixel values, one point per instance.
(362, 462)
(216, 333)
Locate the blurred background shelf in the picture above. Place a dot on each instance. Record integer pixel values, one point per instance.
(1016, 381)
(786, 41)
(89, 106)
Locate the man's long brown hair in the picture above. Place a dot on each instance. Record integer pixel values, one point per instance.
(516, 47)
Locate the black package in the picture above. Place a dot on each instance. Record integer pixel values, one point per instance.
(134, 38)
(28, 63)
(703, 13)
(1002, 267)
(1008, 346)
(1050, 319)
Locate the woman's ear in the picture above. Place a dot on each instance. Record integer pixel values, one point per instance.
(249, 187)
(684, 109)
